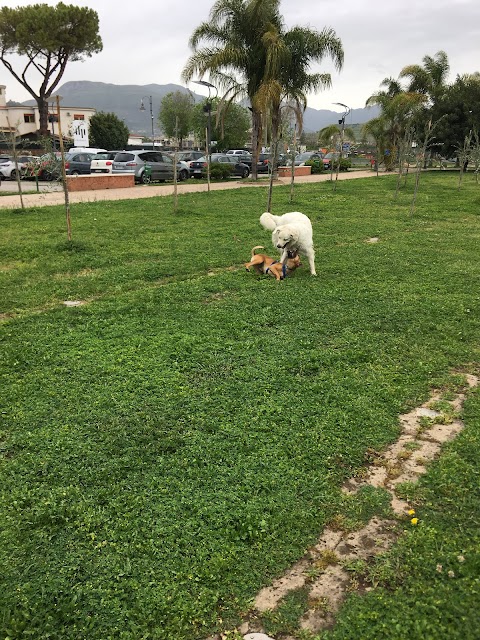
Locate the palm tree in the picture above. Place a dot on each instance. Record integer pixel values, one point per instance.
(429, 79)
(234, 54)
(378, 130)
(398, 109)
(251, 55)
(331, 136)
(287, 78)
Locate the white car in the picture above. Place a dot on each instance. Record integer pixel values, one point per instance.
(183, 168)
(238, 152)
(8, 169)
(103, 162)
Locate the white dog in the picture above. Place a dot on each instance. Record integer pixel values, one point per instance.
(291, 233)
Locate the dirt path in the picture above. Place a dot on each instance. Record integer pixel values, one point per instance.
(49, 197)
(424, 431)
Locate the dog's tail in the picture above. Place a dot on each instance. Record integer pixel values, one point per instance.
(259, 246)
(268, 221)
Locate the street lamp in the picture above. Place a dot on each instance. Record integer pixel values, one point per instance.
(342, 122)
(142, 108)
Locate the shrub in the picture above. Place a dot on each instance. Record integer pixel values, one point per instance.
(317, 165)
(219, 171)
(345, 164)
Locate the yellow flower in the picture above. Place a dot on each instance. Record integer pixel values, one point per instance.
(411, 512)
(414, 520)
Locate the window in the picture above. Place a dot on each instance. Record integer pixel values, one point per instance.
(124, 157)
(29, 117)
(78, 116)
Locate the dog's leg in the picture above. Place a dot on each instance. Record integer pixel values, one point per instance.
(275, 270)
(311, 261)
(256, 262)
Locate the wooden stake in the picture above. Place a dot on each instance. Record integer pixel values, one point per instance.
(64, 175)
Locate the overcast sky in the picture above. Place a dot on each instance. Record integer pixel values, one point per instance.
(146, 42)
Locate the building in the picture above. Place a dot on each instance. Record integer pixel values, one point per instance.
(24, 120)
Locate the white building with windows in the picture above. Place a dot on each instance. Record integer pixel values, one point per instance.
(25, 120)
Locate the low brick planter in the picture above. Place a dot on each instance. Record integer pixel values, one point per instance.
(93, 182)
(286, 172)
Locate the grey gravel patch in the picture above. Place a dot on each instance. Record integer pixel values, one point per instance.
(428, 413)
(74, 303)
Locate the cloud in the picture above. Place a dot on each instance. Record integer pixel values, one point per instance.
(147, 42)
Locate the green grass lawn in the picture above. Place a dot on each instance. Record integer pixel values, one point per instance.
(171, 446)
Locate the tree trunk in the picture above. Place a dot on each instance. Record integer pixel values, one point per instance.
(256, 140)
(274, 155)
(42, 103)
(292, 175)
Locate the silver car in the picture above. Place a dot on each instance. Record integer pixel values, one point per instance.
(183, 169)
(306, 156)
(188, 156)
(146, 166)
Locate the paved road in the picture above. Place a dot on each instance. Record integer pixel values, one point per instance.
(52, 193)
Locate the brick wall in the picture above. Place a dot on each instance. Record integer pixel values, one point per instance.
(286, 172)
(100, 181)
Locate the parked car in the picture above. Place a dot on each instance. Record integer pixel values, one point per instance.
(198, 167)
(146, 166)
(246, 158)
(188, 156)
(327, 159)
(7, 166)
(183, 168)
(265, 161)
(45, 167)
(302, 158)
(4, 160)
(103, 162)
(238, 152)
(87, 150)
(78, 163)
(242, 155)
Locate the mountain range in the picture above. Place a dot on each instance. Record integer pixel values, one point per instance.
(125, 100)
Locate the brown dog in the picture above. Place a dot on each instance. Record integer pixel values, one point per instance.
(264, 264)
